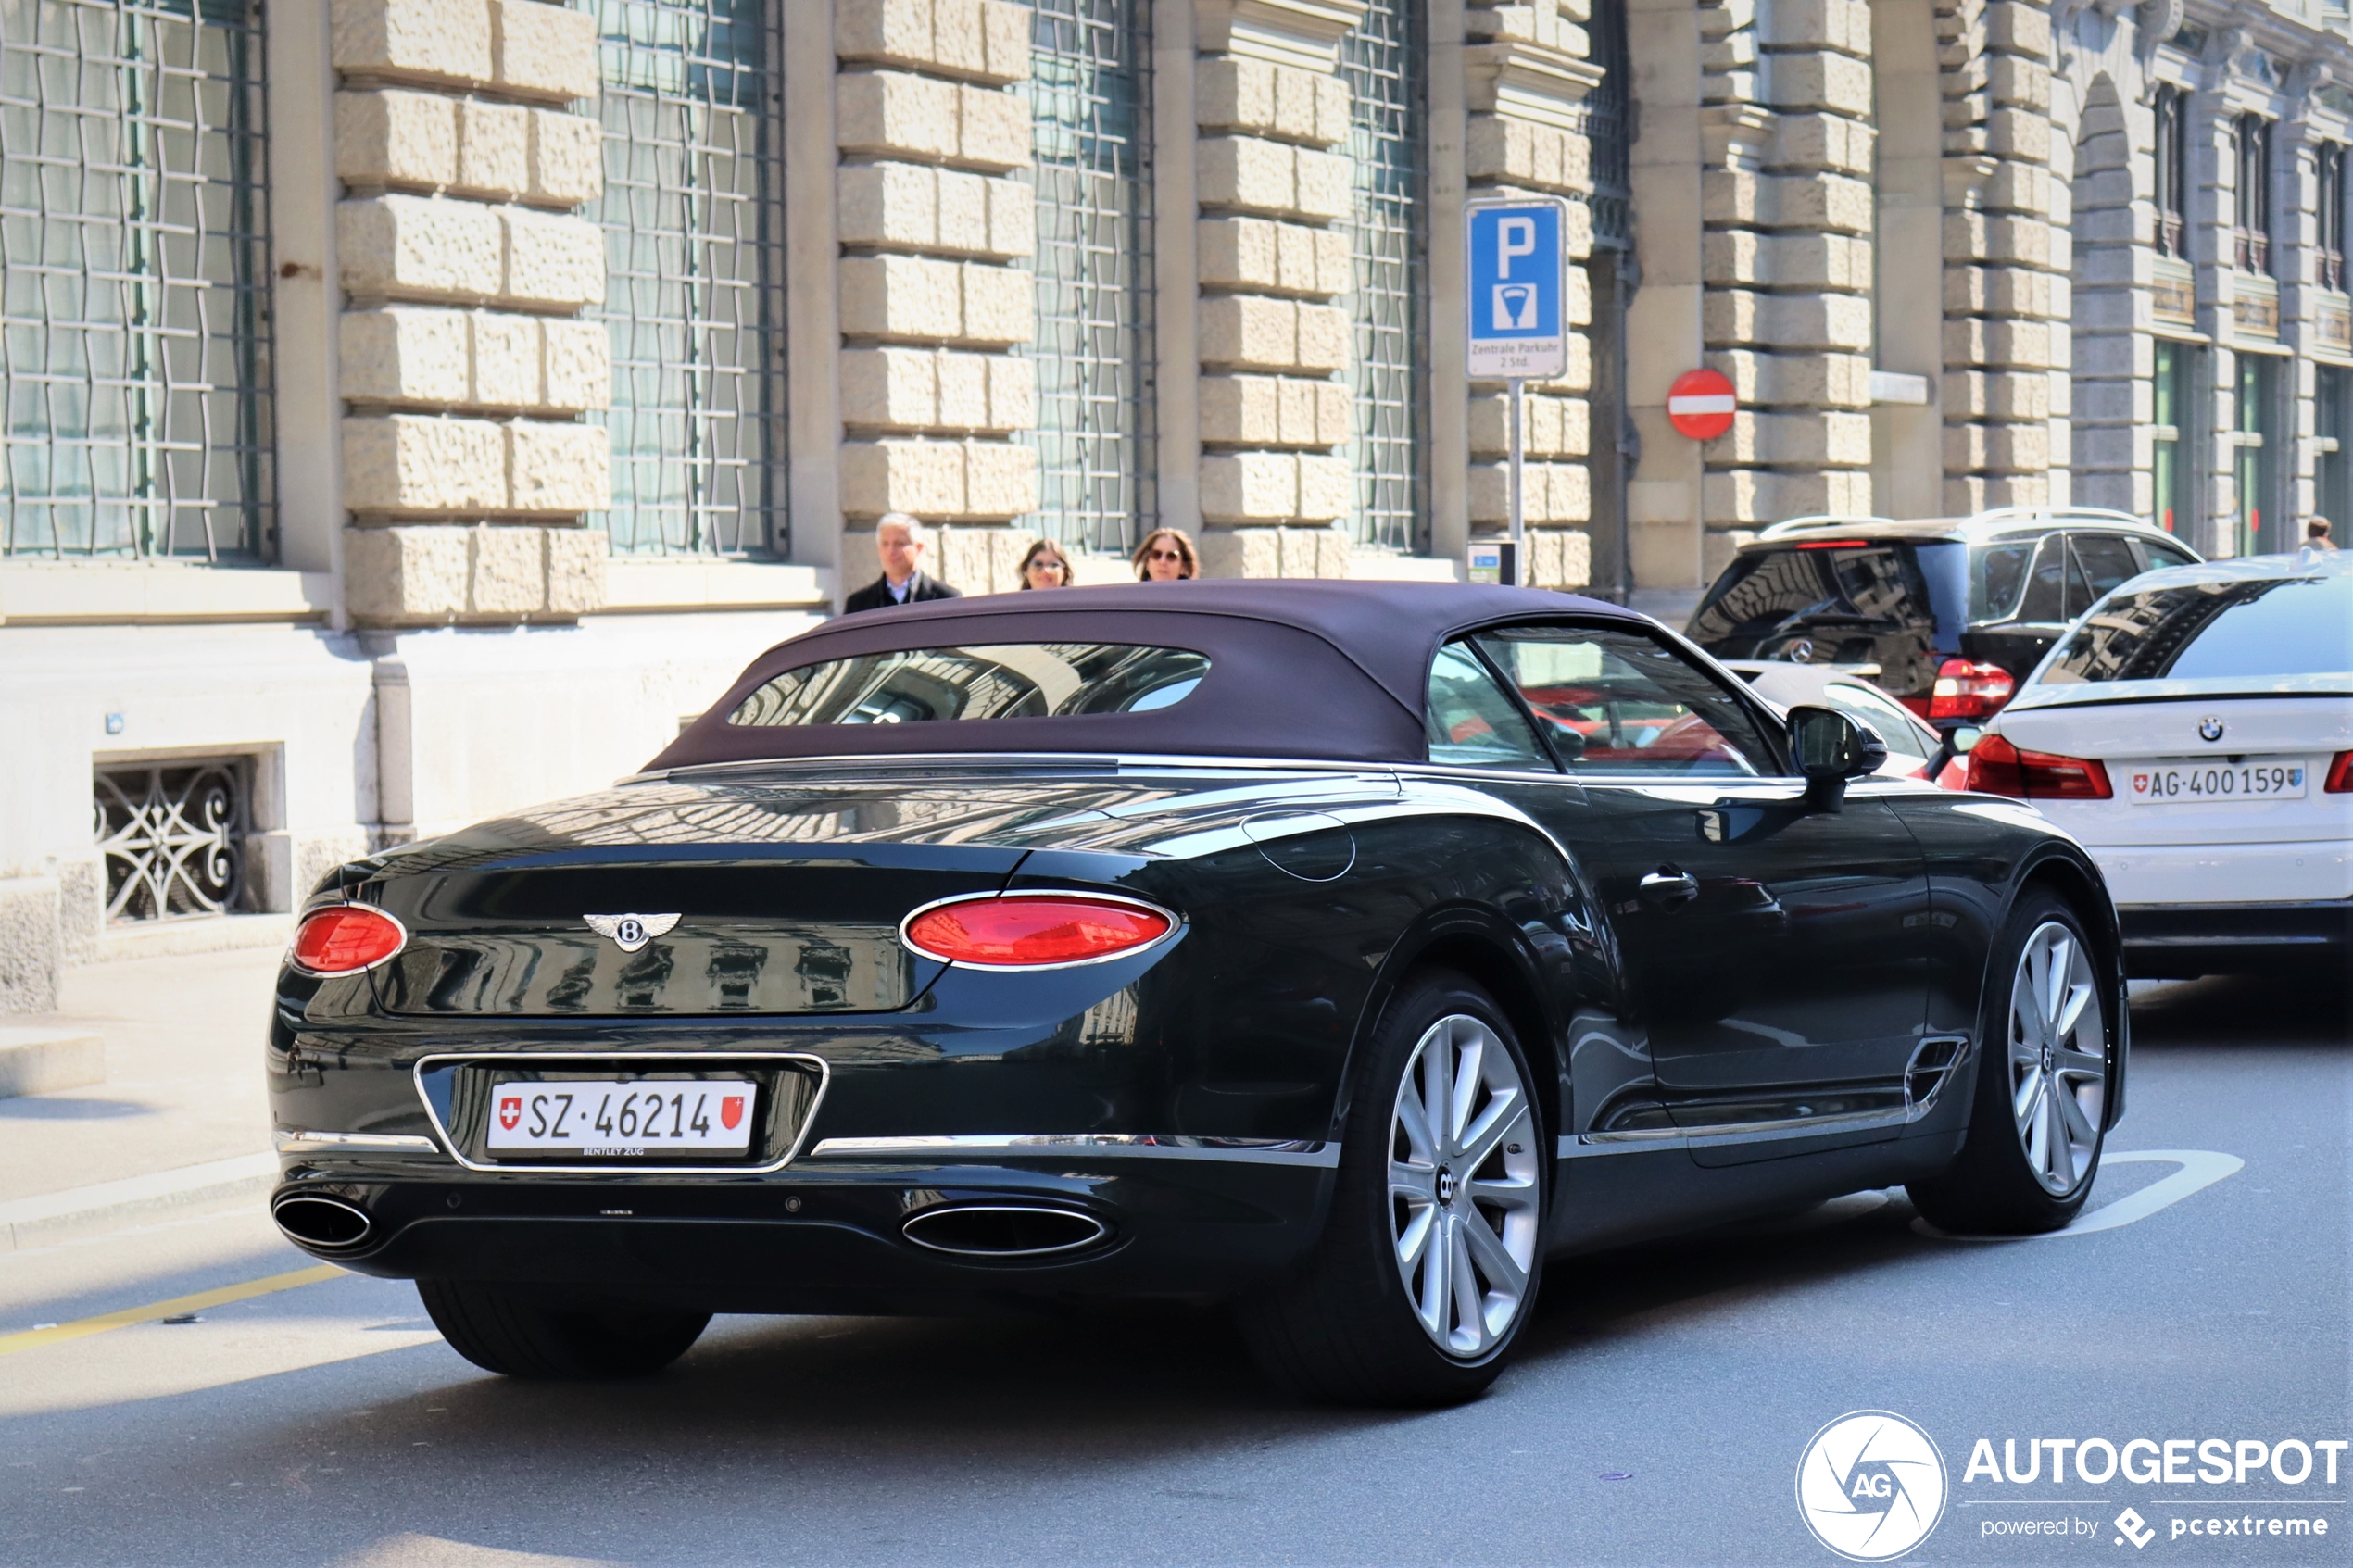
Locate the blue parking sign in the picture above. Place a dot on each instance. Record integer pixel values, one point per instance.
(1517, 281)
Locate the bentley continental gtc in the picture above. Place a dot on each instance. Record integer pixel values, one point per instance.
(1343, 952)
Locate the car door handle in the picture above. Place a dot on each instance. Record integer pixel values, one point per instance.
(1667, 888)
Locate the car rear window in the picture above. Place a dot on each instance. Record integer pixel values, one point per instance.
(1813, 577)
(2208, 630)
(983, 681)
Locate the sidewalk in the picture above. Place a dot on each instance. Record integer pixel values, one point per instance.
(183, 1088)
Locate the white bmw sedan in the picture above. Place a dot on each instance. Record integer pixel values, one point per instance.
(2195, 732)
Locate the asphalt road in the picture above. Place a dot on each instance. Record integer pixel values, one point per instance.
(1656, 1414)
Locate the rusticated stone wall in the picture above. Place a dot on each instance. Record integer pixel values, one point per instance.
(935, 227)
(464, 364)
(1527, 76)
(1270, 112)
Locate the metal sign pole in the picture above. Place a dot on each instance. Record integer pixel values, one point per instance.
(1519, 523)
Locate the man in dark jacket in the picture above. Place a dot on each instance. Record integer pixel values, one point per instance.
(898, 539)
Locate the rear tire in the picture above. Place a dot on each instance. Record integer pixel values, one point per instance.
(2035, 1131)
(1430, 1261)
(517, 1338)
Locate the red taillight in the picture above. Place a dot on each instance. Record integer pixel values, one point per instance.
(1035, 930)
(2340, 774)
(1967, 689)
(346, 938)
(1996, 767)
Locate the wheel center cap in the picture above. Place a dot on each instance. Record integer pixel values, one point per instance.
(1445, 1184)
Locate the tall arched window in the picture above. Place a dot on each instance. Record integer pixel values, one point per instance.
(693, 213)
(1091, 119)
(2172, 173)
(1385, 61)
(2253, 231)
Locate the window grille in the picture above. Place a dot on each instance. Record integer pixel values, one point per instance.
(1384, 60)
(2173, 172)
(1611, 202)
(172, 836)
(2253, 231)
(133, 279)
(693, 213)
(1091, 138)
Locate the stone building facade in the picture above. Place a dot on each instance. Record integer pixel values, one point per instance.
(418, 408)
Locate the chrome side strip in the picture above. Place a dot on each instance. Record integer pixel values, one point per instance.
(311, 1142)
(1585, 1146)
(981, 1146)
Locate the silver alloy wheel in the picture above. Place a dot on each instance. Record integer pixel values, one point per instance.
(1462, 1196)
(2058, 1057)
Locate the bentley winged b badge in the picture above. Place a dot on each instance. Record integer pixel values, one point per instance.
(631, 932)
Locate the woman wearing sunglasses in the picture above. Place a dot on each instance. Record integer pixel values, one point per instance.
(1046, 567)
(1166, 555)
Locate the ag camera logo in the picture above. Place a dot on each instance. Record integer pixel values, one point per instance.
(1871, 1485)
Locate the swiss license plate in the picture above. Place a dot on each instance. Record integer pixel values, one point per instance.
(2194, 782)
(621, 1118)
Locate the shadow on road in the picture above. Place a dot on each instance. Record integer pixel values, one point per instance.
(2310, 1007)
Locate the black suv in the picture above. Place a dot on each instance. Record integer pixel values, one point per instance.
(1954, 611)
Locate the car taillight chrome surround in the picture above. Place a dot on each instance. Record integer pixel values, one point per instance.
(1968, 689)
(1996, 766)
(322, 947)
(1129, 926)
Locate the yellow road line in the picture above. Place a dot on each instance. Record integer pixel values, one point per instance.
(32, 1337)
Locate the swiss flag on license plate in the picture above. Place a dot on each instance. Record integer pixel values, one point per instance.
(510, 1111)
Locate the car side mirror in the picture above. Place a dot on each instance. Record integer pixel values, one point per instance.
(1831, 749)
(1964, 739)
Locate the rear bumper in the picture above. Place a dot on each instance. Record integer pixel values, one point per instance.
(825, 1236)
(2164, 941)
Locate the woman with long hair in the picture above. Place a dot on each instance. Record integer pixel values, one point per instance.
(1166, 555)
(1046, 567)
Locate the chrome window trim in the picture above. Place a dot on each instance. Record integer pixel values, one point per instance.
(1315, 1155)
(590, 1060)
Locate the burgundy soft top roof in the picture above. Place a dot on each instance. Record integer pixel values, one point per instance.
(1298, 668)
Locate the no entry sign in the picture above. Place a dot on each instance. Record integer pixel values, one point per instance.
(1701, 405)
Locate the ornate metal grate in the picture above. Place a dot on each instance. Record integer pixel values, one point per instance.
(1091, 119)
(1611, 200)
(1384, 61)
(172, 836)
(133, 279)
(692, 218)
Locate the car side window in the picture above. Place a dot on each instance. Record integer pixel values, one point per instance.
(2046, 599)
(1615, 701)
(2162, 556)
(1895, 727)
(2105, 563)
(1472, 722)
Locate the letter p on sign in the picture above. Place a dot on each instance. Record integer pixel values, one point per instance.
(1515, 237)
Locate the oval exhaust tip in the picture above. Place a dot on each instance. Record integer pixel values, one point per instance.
(1004, 1230)
(319, 1221)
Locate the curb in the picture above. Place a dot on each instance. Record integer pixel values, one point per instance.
(108, 1205)
(34, 1061)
